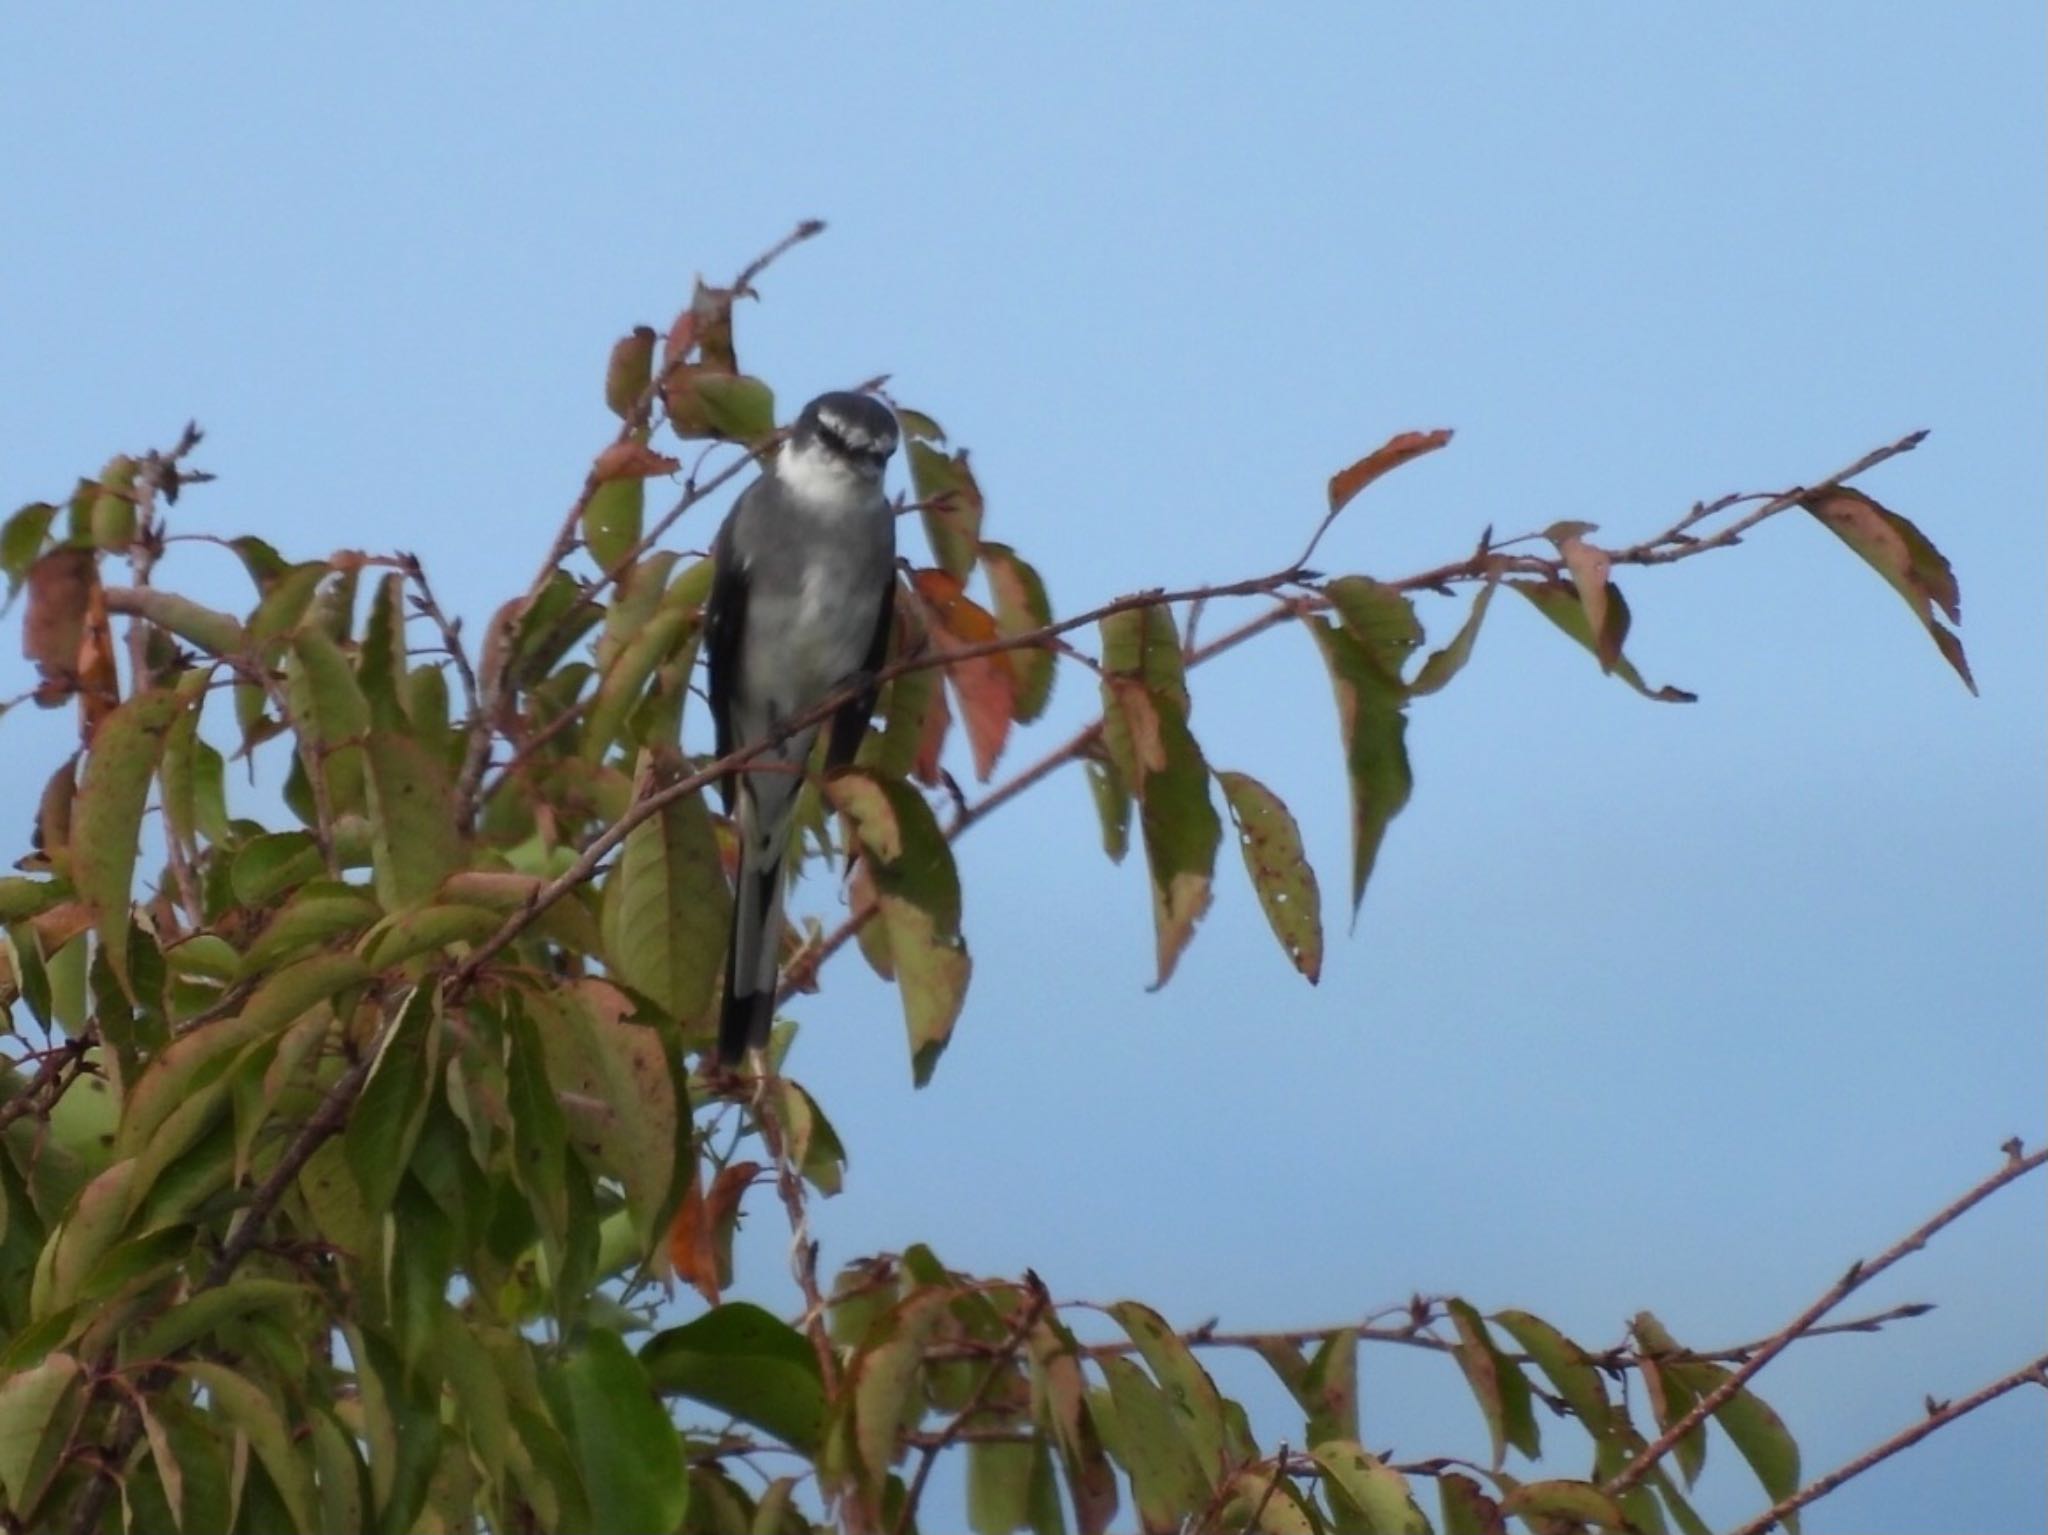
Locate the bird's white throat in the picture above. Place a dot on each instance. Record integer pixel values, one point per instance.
(821, 479)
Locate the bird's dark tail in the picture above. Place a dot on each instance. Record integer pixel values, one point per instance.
(756, 939)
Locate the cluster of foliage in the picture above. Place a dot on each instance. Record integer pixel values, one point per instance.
(347, 1165)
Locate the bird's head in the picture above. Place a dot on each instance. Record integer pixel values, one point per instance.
(840, 435)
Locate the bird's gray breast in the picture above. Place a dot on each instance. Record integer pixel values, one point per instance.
(815, 579)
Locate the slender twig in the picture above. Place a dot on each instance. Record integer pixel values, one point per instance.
(1859, 1273)
(451, 629)
(54, 1076)
(2035, 1374)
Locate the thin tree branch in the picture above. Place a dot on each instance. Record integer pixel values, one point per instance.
(2035, 1374)
(2018, 1164)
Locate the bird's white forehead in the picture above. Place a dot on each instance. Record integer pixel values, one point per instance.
(853, 433)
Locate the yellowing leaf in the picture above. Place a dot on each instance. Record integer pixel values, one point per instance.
(106, 818)
(1279, 870)
(1905, 557)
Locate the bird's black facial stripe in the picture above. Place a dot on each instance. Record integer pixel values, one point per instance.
(831, 434)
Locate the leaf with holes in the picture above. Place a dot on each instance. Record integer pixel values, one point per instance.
(1280, 871)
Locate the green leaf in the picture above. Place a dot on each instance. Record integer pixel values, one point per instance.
(106, 818)
(39, 1408)
(1329, 1387)
(252, 1411)
(1671, 1397)
(344, 1482)
(1112, 806)
(21, 899)
(194, 784)
(1757, 1432)
(1142, 1435)
(1440, 666)
(631, 1456)
(918, 891)
(1579, 1502)
(1280, 871)
(950, 504)
(1021, 607)
(320, 910)
(212, 631)
(196, 1059)
(113, 508)
(332, 716)
(198, 1315)
(625, 680)
(21, 540)
(666, 911)
(285, 601)
(1905, 557)
(621, 1098)
(999, 1480)
(611, 519)
(380, 660)
(1496, 1381)
(413, 837)
(268, 865)
(540, 1133)
(1380, 618)
(1559, 602)
(426, 930)
(1197, 1406)
(814, 1146)
(728, 406)
(1374, 728)
(1569, 1367)
(744, 1361)
(883, 1374)
(386, 1119)
(1372, 1488)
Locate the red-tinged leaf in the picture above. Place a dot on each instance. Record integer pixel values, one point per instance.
(1279, 870)
(918, 893)
(99, 681)
(950, 502)
(628, 459)
(984, 687)
(60, 589)
(627, 371)
(106, 818)
(1021, 607)
(1059, 1405)
(1392, 454)
(1440, 666)
(1897, 550)
(700, 1235)
(1374, 727)
(1559, 601)
(1467, 1510)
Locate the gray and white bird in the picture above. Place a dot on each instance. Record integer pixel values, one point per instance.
(802, 597)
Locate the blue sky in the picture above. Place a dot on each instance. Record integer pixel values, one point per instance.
(1678, 1008)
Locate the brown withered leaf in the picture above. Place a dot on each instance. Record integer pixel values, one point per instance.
(985, 686)
(1390, 455)
(99, 683)
(700, 1235)
(630, 460)
(1897, 550)
(628, 369)
(1588, 565)
(60, 586)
